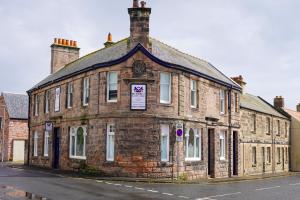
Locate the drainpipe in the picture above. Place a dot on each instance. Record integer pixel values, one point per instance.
(29, 130)
(230, 132)
(3, 127)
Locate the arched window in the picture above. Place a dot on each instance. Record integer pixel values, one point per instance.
(77, 142)
(193, 144)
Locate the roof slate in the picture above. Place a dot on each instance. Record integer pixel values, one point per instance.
(258, 104)
(17, 105)
(120, 49)
(293, 113)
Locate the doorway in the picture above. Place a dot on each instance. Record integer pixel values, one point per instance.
(18, 151)
(56, 149)
(211, 153)
(235, 153)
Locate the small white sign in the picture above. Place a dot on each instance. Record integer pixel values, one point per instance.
(138, 97)
(179, 132)
(48, 126)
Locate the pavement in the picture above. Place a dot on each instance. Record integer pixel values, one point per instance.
(21, 183)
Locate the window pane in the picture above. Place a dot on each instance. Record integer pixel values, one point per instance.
(80, 142)
(165, 93)
(191, 144)
(193, 98)
(197, 147)
(164, 144)
(113, 77)
(73, 146)
(165, 78)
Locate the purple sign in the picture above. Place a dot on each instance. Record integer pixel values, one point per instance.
(179, 132)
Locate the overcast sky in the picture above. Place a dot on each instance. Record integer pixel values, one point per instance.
(259, 39)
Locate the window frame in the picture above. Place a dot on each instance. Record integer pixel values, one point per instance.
(86, 91)
(253, 118)
(222, 137)
(165, 132)
(74, 134)
(269, 156)
(254, 156)
(197, 135)
(46, 143)
(47, 101)
(35, 144)
(57, 99)
(108, 87)
(193, 91)
(236, 102)
(70, 95)
(169, 88)
(278, 155)
(222, 96)
(109, 134)
(268, 125)
(278, 128)
(36, 105)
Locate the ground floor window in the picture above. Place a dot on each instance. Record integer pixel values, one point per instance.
(193, 144)
(286, 155)
(164, 129)
(46, 144)
(278, 155)
(110, 142)
(77, 142)
(269, 154)
(222, 145)
(35, 143)
(254, 161)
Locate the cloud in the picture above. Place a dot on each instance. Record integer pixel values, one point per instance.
(256, 38)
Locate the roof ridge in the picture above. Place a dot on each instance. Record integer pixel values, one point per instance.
(23, 94)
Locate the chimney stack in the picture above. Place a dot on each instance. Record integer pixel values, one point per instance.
(109, 41)
(139, 24)
(298, 107)
(279, 102)
(63, 52)
(240, 80)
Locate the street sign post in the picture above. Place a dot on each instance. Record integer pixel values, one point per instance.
(179, 132)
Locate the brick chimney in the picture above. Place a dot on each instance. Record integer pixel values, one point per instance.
(63, 52)
(298, 107)
(240, 80)
(279, 102)
(139, 24)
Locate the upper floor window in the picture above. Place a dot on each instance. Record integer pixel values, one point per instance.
(236, 102)
(164, 142)
(36, 105)
(222, 145)
(193, 93)
(112, 87)
(278, 127)
(47, 101)
(69, 97)
(253, 123)
(86, 91)
(268, 125)
(222, 101)
(57, 100)
(165, 87)
(286, 129)
(110, 142)
(193, 145)
(77, 142)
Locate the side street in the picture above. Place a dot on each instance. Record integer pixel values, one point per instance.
(139, 119)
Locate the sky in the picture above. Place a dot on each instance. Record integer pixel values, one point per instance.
(259, 39)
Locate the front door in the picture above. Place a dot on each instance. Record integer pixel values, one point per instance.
(235, 153)
(56, 149)
(263, 159)
(211, 153)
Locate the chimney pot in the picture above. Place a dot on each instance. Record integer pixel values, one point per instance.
(75, 43)
(55, 40)
(59, 41)
(240, 80)
(135, 4)
(143, 4)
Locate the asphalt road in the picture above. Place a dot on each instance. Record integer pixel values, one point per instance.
(27, 184)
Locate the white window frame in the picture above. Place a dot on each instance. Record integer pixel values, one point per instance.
(57, 100)
(86, 91)
(197, 135)
(110, 144)
(222, 140)
(46, 144)
(169, 88)
(73, 133)
(35, 144)
(108, 87)
(47, 101)
(193, 93)
(165, 132)
(36, 105)
(70, 91)
(222, 101)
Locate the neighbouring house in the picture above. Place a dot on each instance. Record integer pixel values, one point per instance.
(295, 132)
(117, 110)
(13, 126)
(264, 141)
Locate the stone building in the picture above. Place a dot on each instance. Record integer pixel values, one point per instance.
(116, 110)
(264, 136)
(295, 132)
(13, 126)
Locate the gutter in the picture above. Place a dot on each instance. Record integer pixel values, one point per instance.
(126, 57)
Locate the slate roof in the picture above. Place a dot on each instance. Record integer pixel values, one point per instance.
(258, 104)
(293, 113)
(17, 105)
(120, 49)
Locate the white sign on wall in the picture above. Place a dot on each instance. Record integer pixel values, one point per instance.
(57, 100)
(48, 126)
(138, 97)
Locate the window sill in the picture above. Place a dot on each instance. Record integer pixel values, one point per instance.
(253, 165)
(192, 160)
(78, 157)
(112, 101)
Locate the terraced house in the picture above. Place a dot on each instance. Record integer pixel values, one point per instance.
(264, 145)
(116, 110)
